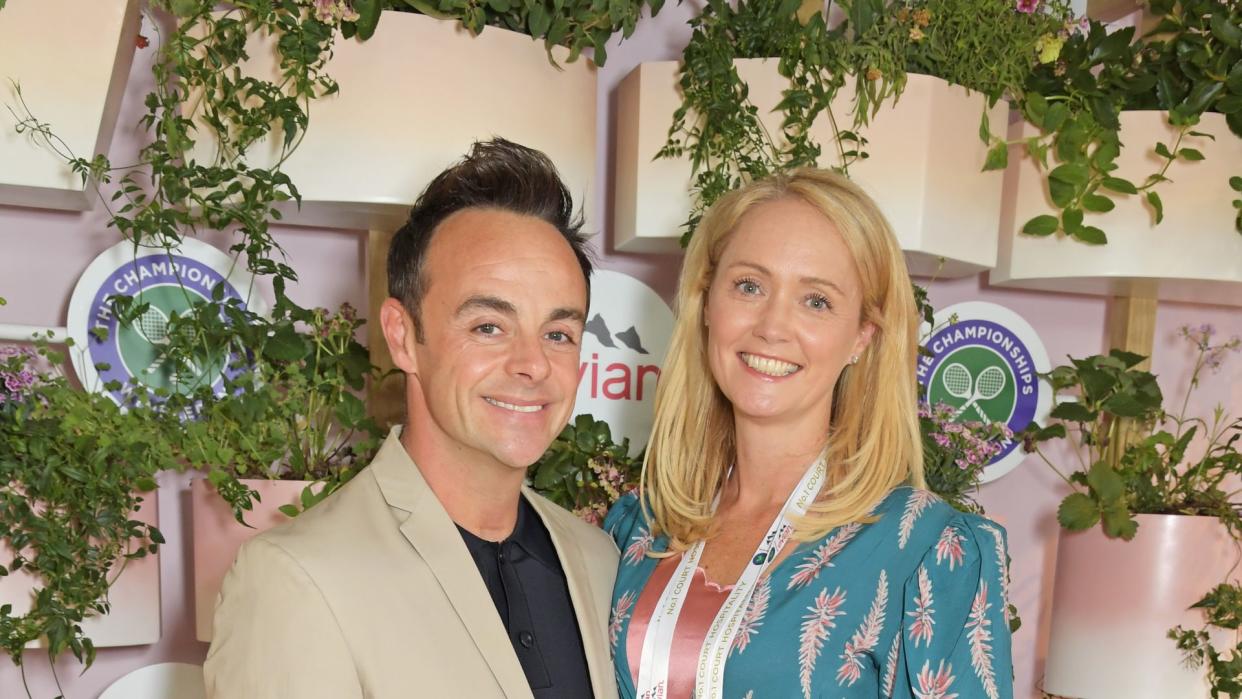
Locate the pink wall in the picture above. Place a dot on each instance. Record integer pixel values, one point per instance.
(44, 251)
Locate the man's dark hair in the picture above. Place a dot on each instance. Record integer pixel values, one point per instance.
(496, 174)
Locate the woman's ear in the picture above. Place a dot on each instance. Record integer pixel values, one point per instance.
(866, 331)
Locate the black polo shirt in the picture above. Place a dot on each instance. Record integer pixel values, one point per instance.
(524, 576)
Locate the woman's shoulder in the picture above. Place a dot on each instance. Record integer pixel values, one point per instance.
(623, 516)
(922, 524)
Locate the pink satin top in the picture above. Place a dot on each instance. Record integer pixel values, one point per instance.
(703, 601)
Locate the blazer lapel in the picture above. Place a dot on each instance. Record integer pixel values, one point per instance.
(583, 597)
(433, 535)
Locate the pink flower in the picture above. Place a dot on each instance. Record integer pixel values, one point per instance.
(1028, 6)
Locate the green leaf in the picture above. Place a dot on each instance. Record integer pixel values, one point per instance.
(1226, 31)
(288, 510)
(1106, 483)
(1072, 173)
(184, 8)
(1042, 225)
(1200, 97)
(1090, 235)
(1129, 359)
(1118, 184)
(1073, 412)
(1036, 108)
(985, 130)
(1235, 183)
(1189, 154)
(1124, 405)
(1061, 193)
(1157, 205)
(1078, 512)
(998, 157)
(1071, 220)
(539, 21)
(286, 345)
(1097, 203)
(368, 17)
(1163, 151)
(1119, 523)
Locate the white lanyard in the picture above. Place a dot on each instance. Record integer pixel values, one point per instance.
(657, 649)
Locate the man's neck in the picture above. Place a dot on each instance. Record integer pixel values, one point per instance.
(478, 493)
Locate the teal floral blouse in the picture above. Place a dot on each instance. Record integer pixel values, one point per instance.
(914, 605)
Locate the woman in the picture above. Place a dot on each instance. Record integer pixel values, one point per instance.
(787, 547)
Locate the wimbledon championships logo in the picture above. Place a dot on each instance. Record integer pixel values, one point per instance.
(169, 284)
(623, 345)
(985, 367)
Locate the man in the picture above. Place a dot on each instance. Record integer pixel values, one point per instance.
(435, 572)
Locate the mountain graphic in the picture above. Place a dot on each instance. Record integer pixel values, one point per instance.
(631, 339)
(597, 327)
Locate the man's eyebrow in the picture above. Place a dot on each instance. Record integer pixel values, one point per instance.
(490, 303)
(818, 281)
(567, 314)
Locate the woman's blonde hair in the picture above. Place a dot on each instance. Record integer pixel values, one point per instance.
(873, 441)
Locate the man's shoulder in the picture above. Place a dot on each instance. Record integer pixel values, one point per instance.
(338, 522)
(590, 537)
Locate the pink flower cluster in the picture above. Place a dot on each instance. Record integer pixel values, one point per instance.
(16, 378)
(973, 443)
(608, 485)
(333, 11)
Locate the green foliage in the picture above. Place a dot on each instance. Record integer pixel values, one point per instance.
(1223, 609)
(1132, 464)
(987, 46)
(1189, 64)
(74, 468)
(575, 24)
(291, 412)
(584, 471)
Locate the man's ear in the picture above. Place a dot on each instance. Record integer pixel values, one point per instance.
(398, 329)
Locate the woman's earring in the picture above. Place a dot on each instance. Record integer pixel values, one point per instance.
(854, 359)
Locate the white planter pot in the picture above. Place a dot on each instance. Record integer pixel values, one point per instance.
(135, 596)
(412, 100)
(923, 169)
(1194, 255)
(218, 536)
(1114, 602)
(72, 60)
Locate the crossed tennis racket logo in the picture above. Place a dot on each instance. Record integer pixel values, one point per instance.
(152, 325)
(960, 383)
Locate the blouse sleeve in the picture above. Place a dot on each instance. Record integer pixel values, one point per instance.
(954, 638)
(626, 526)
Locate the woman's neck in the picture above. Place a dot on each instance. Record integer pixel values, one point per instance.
(770, 461)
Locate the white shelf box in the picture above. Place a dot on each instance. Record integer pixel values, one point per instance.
(72, 60)
(413, 98)
(924, 168)
(1194, 255)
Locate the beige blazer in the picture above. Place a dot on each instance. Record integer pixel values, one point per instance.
(372, 593)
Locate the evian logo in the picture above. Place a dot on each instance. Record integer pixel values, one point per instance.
(623, 346)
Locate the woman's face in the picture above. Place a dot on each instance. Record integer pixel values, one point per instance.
(783, 314)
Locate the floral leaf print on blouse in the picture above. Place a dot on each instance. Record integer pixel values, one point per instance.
(752, 618)
(821, 557)
(640, 544)
(949, 547)
(620, 612)
(918, 501)
(866, 638)
(923, 625)
(979, 635)
(935, 685)
(815, 629)
(1002, 561)
(890, 666)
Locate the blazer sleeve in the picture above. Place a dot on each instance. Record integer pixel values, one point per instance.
(955, 638)
(274, 634)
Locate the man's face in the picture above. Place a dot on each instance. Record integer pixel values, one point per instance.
(502, 321)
